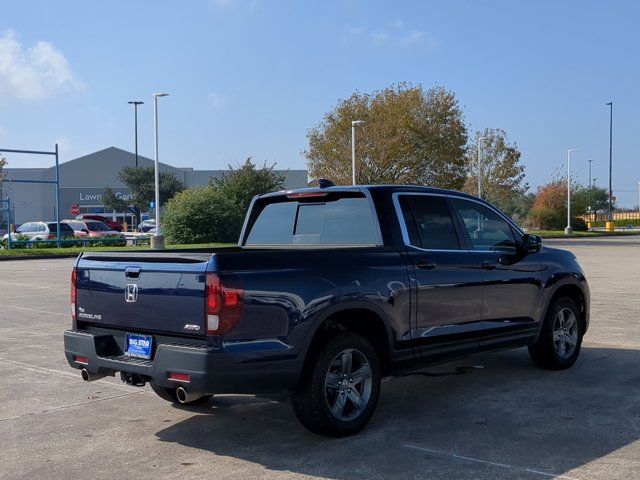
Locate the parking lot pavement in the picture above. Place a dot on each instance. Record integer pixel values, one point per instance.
(506, 420)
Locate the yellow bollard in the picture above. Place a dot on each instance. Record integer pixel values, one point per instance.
(610, 226)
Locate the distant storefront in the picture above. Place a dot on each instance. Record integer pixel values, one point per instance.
(83, 180)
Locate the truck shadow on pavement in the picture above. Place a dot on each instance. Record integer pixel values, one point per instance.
(509, 419)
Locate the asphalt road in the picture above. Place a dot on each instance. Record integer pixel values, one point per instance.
(506, 420)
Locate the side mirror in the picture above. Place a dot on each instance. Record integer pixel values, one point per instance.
(532, 243)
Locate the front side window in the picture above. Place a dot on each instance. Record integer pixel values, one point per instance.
(485, 229)
(428, 222)
(330, 221)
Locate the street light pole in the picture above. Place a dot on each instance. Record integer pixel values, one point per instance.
(568, 230)
(135, 104)
(354, 123)
(590, 189)
(479, 163)
(157, 240)
(609, 217)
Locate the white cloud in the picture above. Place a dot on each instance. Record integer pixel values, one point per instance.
(398, 35)
(216, 99)
(33, 73)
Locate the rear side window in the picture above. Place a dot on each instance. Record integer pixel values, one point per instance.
(334, 221)
(428, 222)
(64, 228)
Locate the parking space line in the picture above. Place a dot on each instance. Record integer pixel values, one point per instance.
(45, 370)
(488, 462)
(33, 310)
(79, 404)
(29, 285)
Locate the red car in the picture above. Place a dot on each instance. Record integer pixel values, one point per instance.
(112, 224)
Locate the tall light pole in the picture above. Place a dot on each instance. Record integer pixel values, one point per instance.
(590, 189)
(479, 164)
(354, 124)
(568, 230)
(135, 104)
(610, 158)
(638, 198)
(157, 240)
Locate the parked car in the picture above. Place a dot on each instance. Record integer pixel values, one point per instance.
(35, 231)
(147, 225)
(91, 229)
(112, 224)
(329, 290)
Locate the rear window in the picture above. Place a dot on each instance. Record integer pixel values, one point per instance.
(314, 221)
(96, 226)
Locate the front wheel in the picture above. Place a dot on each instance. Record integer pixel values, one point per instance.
(560, 340)
(339, 392)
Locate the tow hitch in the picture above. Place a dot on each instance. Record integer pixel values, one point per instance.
(132, 379)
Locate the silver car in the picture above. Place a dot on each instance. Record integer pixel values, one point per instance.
(40, 231)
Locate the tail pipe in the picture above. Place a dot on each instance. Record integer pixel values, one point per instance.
(90, 377)
(187, 397)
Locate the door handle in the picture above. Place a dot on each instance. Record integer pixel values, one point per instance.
(487, 265)
(427, 265)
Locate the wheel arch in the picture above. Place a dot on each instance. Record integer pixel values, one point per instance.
(577, 294)
(360, 317)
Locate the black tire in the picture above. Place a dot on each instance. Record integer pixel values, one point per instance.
(169, 394)
(545, 352)
(311, 402)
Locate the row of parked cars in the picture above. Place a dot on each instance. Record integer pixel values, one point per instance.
(83, 226)
(85, 229)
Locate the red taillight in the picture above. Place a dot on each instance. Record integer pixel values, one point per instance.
(51, 236)
(179, 377)
(74, 293)
(82, 360)
(223, 304)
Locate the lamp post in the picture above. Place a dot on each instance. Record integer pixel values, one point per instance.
(479, 162)
(135, 104)
(157, 240)
(354, 124)
(568, 230)
(590, 188)
(609, 217)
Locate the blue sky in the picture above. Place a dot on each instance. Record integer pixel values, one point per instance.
(250, 77)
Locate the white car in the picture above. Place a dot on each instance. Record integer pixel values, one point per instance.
(40, 231)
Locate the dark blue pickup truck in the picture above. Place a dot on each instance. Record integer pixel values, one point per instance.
(329, 290)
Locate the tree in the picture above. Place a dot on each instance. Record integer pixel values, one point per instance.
(141, 182)
(502, 174)
(243, 183)
(409, 137)
(215, 213)
(550, 207)
(201, 215)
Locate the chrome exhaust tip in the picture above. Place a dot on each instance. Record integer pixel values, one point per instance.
(89, 377)
(186, 397)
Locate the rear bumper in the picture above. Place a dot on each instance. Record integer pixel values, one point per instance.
(211, 370)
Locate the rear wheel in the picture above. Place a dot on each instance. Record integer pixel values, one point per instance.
(169, 394)
(339, 392)
(560, 340)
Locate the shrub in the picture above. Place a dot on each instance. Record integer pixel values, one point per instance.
(202, 215)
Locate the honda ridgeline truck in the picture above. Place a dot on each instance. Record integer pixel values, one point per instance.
(328, 291)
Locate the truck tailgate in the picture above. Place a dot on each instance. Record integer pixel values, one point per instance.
(143, 292)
